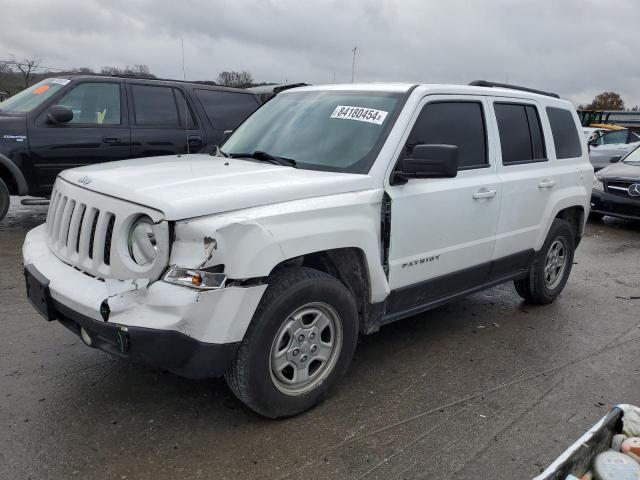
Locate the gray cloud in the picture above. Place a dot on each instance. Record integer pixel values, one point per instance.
(575, 47)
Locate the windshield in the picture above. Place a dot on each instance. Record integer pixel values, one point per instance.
(28, 99)
(339, 131)
(633, 158)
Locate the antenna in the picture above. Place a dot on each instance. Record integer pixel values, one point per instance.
(353, 64)
(186, 108)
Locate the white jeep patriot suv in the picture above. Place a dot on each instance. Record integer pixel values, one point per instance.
(331, 211)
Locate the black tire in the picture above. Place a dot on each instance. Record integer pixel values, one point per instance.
(533, 288)
(4, 199)
(596, 217)
(250, 376)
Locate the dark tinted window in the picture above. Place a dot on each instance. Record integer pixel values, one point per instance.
(521, 138)
(565, 135)
(453, 123)
(155, 106)
(226, 110)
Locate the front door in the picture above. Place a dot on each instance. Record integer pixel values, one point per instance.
(443, 229)
(98, 132)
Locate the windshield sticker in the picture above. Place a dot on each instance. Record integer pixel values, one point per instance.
(41, 90)
(361, 114)
(59, 81)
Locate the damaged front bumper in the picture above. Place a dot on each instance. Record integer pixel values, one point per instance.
(192, 333)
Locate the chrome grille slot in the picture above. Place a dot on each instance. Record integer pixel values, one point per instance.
(620, 188)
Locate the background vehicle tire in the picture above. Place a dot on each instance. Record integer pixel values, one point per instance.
(551, 267)
(299, 343)
(596, 217)
(4, 199)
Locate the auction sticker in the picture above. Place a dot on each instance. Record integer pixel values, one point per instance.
(361, 114)
(59, 81)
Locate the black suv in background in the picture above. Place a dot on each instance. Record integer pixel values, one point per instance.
(61, 123)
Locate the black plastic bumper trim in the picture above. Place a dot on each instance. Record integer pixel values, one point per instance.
(166, 349)
(615, 206)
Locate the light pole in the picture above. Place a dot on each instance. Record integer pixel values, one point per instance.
(353, 64)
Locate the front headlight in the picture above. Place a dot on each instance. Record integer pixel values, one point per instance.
(199, 279)
(597, 184)
(143, 246)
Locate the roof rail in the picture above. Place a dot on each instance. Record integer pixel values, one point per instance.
(484, 83)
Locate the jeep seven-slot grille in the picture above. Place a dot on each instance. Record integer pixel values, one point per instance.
(78, 233)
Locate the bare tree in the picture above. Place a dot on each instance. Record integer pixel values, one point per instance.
(26, 67)
(607, 101)
(235, 79)
(110, 71)
(141, 71)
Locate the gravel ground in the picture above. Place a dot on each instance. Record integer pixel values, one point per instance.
(487, 387)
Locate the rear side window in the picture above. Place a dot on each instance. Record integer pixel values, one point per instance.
(155, 106)
(453, 123)
(521, 138)
(226, 110)
(565, 135)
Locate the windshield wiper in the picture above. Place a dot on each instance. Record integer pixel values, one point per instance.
(265, 157)
(218, 151)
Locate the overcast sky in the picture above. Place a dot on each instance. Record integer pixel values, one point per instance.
(577, 48)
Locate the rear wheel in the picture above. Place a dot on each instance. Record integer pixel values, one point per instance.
(551, 267)
(596, 217)
(299, 343)
(4, 199)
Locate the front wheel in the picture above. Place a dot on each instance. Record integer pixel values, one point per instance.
(4, 199)
(551, 267)
(299, 343)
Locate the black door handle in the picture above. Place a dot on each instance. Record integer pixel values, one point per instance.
(110, 139)
(194, 139)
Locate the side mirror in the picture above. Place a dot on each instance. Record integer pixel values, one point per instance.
(615, 159)
(59, 114)
(428, 161)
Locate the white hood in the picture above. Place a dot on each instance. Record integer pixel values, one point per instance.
(185, 186)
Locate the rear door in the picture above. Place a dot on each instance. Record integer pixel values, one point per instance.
(99, 131)
(162, 121)
(443, 229)
(225, 110)
(528, 179)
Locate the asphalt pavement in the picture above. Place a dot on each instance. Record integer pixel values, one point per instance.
(487, 387)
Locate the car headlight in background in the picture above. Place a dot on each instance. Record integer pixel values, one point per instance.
(199, 279)
(143, 246)
(597, 184)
